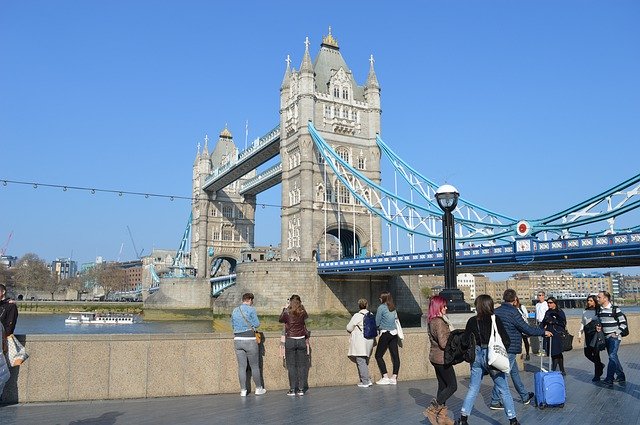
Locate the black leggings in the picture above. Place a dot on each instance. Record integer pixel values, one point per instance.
(447, 384)
(594, 356)
(389, 341)
(525, 339)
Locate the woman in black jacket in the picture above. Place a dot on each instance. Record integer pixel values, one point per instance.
(556, 322)
(480, 326)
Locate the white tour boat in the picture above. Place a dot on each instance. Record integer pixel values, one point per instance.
(92, 318)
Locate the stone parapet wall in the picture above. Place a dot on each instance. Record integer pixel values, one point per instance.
(98, 367)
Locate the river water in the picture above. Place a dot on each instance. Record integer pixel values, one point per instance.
(54, 324)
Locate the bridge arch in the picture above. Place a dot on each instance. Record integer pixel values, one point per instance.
(222, 265)
(342, 242)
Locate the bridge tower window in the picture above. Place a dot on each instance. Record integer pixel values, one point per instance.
(344, 197)
(361, 163)
(227, 211)
(344, 154)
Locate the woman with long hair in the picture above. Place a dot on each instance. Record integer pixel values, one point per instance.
(556, 322)
(386, 316)
(480, 326)
(439, 329)
(360, 347)
(593, 354)
(293, 316)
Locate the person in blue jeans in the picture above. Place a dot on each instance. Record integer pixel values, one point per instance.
(480, 326)
(515, 326)
(613, 323)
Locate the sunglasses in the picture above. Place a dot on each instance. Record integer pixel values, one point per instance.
(550, 302)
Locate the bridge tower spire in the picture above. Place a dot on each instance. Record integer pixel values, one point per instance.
(317, 211)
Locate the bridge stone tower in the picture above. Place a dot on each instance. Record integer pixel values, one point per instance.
(317, 210)
(223, 223)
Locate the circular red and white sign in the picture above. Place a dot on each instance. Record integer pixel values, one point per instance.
(523, 228)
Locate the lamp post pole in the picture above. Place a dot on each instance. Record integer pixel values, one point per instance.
(447, 197)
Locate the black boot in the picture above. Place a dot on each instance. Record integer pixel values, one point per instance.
(514, 421)
(554, 364)
(462, 420)
(561, 364)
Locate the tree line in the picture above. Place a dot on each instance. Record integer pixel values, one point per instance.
(31, 274)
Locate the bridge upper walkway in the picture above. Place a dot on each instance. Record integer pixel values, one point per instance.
(587, 403)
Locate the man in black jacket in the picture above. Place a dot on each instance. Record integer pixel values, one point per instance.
(8, 312)
(515, 326)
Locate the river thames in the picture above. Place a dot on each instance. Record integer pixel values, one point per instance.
(54, 324)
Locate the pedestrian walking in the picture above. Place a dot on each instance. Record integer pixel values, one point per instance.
(614, 325)
(525, 339)
(541, 309)
(386, 317)
(517, 328)
(480, 326)
(244, 321)
(360, 348)
(439, 329)
(294, 316)
(556, 322)
(588, 330)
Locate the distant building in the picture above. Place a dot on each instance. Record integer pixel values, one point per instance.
(64, 268)
(8, 260)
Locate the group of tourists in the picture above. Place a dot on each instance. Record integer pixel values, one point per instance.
(600, 320)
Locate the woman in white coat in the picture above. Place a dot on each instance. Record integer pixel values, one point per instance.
(359, 347)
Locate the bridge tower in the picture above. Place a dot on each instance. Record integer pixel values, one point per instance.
(224, 221)
(316, 209)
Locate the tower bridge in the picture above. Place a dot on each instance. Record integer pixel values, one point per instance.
(328, 153)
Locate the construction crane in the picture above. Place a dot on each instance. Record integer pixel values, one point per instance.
(4, 247)
(138, 254)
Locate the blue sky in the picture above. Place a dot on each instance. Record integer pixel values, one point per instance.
(527, 107)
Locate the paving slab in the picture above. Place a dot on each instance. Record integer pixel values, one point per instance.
(587, 403)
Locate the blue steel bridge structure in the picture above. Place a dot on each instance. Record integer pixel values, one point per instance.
(601, 231)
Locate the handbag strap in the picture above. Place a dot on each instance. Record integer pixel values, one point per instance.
(245, 318)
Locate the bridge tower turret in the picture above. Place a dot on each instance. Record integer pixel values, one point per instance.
(318, 213)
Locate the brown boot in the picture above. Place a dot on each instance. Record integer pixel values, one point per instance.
(431, 412)
(443, 418)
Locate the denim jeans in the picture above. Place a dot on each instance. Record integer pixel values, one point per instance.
(247, 352)
(517, 382)
(614, 365)
(297, 363)
(478, 369)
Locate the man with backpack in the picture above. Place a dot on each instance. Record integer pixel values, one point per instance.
(614, 325)
(362, 328)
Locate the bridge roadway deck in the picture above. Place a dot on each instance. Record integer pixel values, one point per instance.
(587, 403)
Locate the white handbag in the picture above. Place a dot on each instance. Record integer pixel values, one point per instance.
(399, 329)
(497, 354)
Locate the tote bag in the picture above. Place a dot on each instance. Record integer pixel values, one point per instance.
(17, 354)
(497, 354)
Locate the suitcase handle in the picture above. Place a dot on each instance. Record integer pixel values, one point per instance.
(542, 357)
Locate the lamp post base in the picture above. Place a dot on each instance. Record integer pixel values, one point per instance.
(455, 301)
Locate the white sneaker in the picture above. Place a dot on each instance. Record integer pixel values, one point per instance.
(393, 381)
(260, 391)
(243, 393)
(361, 385)
(384, 381)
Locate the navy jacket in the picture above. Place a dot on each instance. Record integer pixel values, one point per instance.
(515, 326)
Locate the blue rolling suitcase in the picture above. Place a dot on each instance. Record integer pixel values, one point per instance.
(549, 387)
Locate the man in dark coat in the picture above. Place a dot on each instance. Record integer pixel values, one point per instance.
(8, 312)
(515, 326)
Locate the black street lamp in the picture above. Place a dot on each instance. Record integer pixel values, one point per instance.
(447, 197)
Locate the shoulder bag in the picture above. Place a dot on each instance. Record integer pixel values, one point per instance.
(497, 354)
